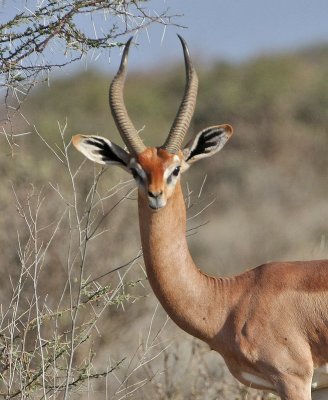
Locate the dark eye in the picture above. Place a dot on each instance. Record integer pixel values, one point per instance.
(176, 171)
(135, 174)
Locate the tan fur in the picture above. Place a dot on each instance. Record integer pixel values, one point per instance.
(270, 322)
(154, 162)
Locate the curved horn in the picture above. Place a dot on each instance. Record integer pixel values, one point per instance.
(124, 125)
(182, 120)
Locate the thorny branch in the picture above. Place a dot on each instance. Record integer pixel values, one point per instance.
(40, 340)
(48, 34)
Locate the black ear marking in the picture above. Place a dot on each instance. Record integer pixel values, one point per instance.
(101, 150)
(205, 142)
(105, 151)
(202, 146)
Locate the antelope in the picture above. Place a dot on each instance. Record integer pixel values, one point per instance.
(270, 323)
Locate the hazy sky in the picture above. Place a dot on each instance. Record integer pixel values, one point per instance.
(239, 29)
(233, 30)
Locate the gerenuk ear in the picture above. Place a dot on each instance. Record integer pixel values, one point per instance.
(101, 150)
(206, 143)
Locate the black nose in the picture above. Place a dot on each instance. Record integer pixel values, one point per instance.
(155, 195)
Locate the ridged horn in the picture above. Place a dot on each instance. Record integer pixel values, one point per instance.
(182, 120)
(124, 125)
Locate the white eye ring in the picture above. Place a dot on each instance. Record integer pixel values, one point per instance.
(173, 174)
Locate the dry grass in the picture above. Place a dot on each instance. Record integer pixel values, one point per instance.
(56, 307)
(78, 318)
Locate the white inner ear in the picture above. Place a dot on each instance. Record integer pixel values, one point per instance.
(211, 140)
(101, 150)
(89, 150)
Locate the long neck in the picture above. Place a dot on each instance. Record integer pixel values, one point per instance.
(198, 303)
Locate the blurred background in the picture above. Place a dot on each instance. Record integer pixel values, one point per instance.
(66, 223)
